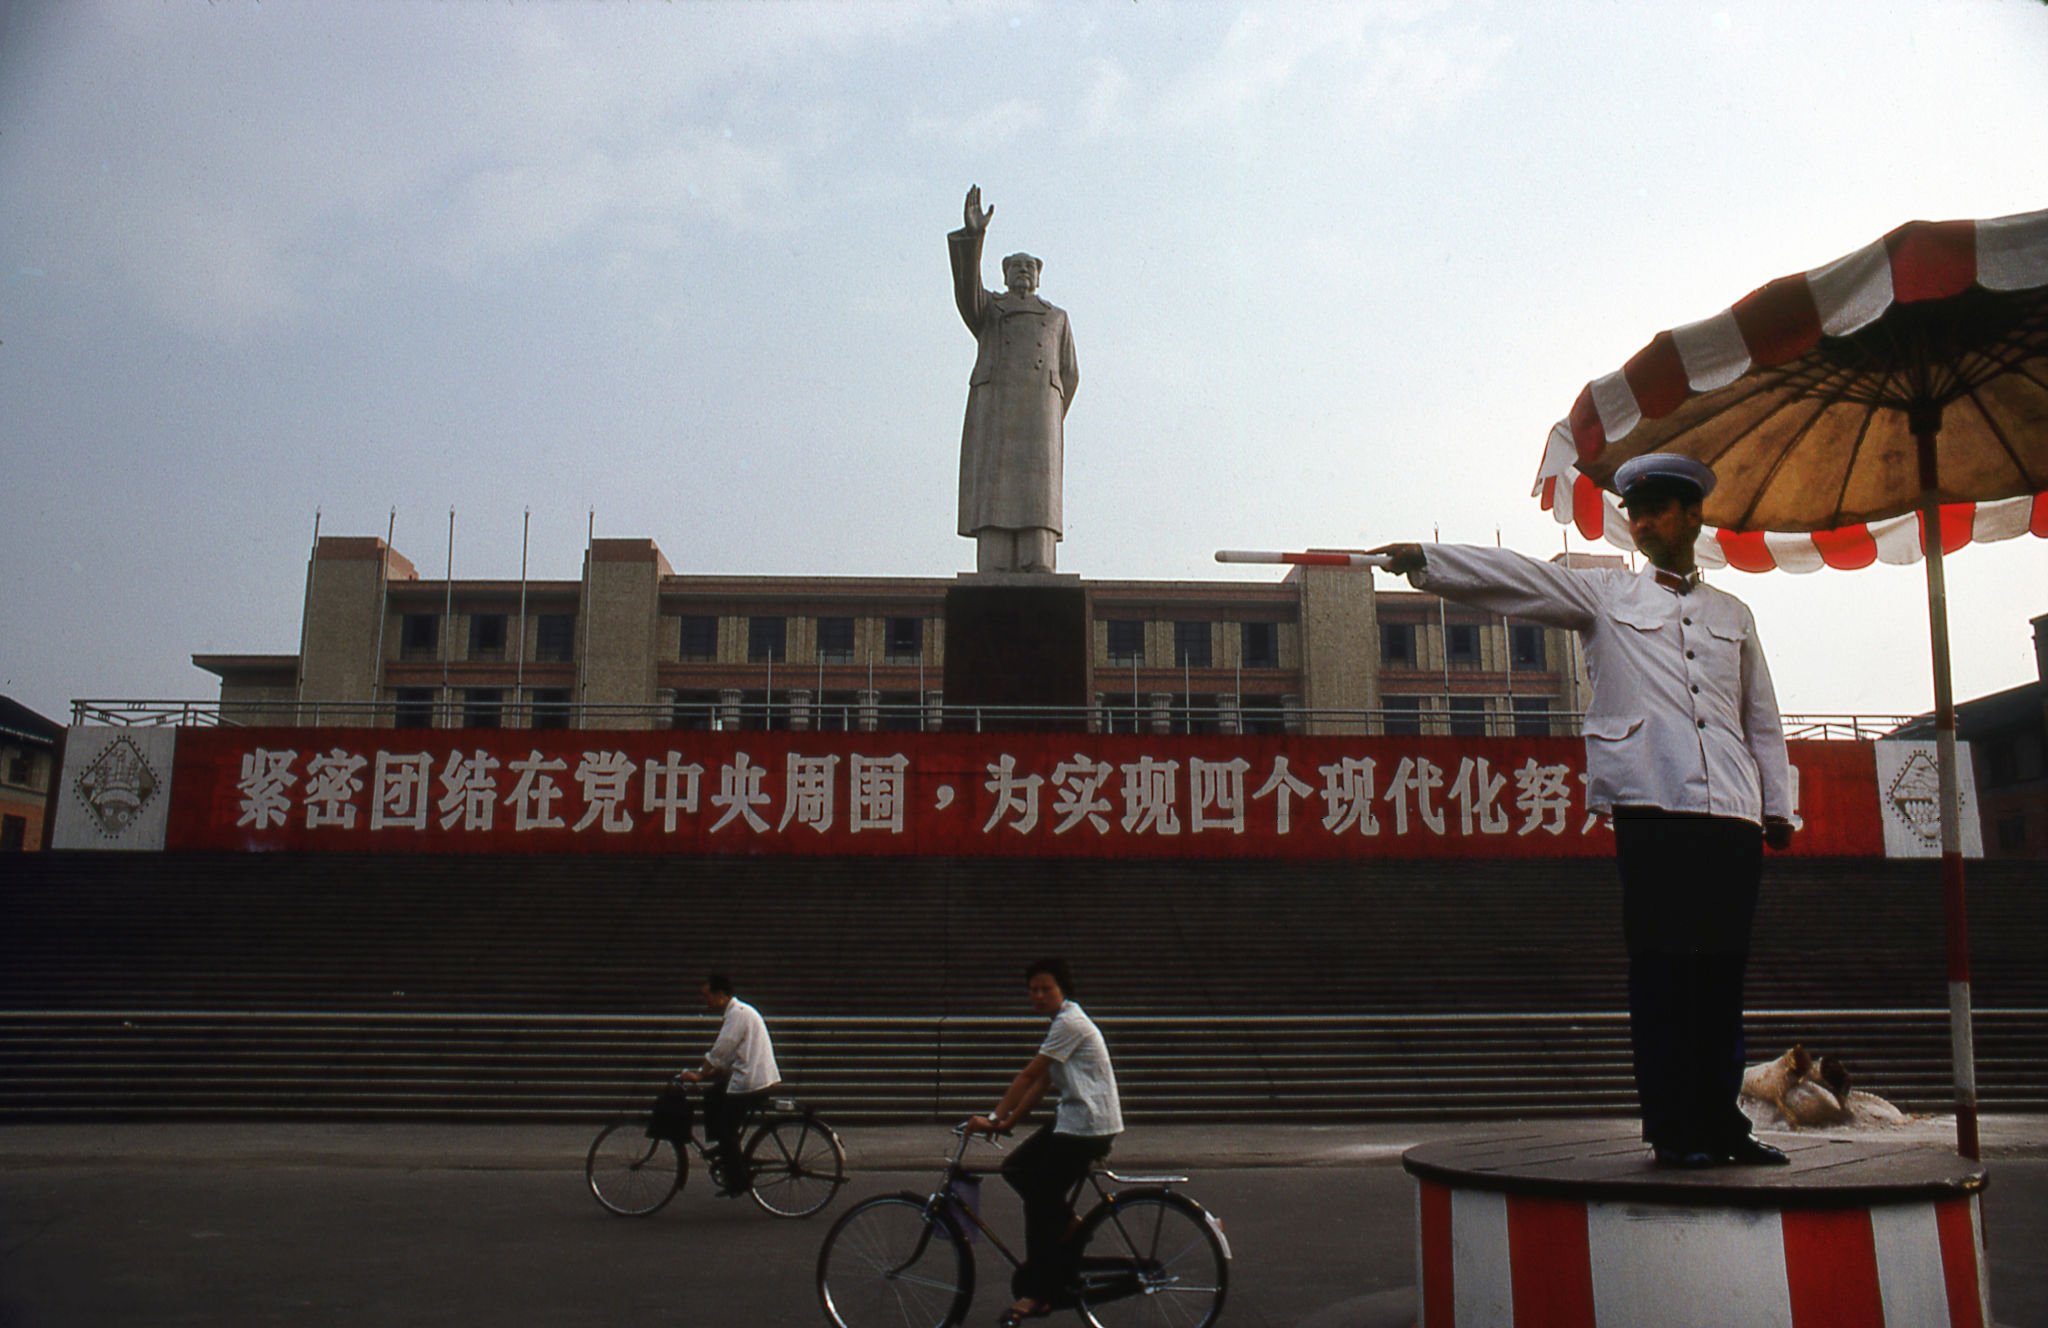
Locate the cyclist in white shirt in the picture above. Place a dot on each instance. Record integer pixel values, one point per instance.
(1047, 1167)
(739, 1071)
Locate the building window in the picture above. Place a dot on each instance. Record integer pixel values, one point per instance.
(487, 636)
(838, 712)
(1191, 644)
(699, 638)
(1261, 714)
(555, 638)
(1468, 716)
(1120, 713)
(764, 710)
(419, 635)
(1525, 646)
(1461, 645)
(2030, 761)
(694, 710)
(835, 640)
(1196, 714)
(900, 712)
(1397, 644)
(482, 708)
(13, 834)
(1126, 641)
(1404, 715)
(18, 769)
(1532, 717)
(1261, 645)
(767, 640)
(551, 708)
(903, 640)
(413, 708)
(2012, 835)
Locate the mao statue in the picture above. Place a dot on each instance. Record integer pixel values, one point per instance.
(1012, 445)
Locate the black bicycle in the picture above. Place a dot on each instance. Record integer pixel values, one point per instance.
(1149, 1255)
(794, 1160)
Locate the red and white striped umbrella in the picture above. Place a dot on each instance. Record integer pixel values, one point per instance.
(1846, 412)
(1800, 395)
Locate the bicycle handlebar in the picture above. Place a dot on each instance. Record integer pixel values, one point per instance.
(961, 1133)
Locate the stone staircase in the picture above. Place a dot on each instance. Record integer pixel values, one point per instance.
(534, 988)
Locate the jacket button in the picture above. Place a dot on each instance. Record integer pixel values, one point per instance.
(1688, 654)
(1688, 622)
(1703, 723)
(1695, 689)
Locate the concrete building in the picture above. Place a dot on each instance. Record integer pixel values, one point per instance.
(28, 764)
(633, 643)
(2008, 736)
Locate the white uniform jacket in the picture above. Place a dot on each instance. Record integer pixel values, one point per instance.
(1683, 715)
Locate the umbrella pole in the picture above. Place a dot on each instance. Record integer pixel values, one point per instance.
(1962, 1044)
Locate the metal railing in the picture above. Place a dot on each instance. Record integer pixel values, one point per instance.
(1175, 716)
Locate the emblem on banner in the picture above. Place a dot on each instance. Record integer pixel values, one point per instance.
(117, 786)
(1915, 798)
(1909, 799)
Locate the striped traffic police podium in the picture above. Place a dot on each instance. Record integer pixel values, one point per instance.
(1572, 1226)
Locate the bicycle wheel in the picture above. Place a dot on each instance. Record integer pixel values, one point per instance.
(795, 1166)
(631, 1174)
(1151, 1260)
(885, 1263)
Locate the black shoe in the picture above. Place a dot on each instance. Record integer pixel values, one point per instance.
(1750, 1151)
(1686, 1158)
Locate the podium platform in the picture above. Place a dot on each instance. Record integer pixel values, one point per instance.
(1573, 1225)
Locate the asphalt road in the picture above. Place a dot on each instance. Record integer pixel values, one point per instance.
(308, 1225)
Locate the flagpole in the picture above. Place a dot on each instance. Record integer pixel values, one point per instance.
(306, 610)
(383, 606)
(583, 655)
(519, 650)
(448, 609)
(1443, 633)
(1507, 640)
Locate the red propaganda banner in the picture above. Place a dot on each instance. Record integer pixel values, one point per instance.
(928, 794)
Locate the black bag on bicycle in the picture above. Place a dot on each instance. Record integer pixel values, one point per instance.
(671, 1115)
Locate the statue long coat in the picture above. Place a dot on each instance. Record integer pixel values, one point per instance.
(1013, 444)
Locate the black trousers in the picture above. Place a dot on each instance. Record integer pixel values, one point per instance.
(1045, 1170)
(724, 1114)
(1688, 898)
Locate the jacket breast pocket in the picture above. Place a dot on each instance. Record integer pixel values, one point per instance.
(1611, 728)
(1720, 647)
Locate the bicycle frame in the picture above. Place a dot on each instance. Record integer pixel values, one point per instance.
(777, 1110)
(944, 1204)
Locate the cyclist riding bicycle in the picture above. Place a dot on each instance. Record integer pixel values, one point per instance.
(738, 1072)
(1046, 1169)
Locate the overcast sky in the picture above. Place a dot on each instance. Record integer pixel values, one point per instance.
(1333, 272)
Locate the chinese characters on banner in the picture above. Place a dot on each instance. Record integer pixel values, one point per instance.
(1082, 795)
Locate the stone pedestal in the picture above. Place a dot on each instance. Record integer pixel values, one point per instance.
(1016, 643)
(1574, 1225)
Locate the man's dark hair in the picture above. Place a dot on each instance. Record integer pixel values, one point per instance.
(719, 983)
(1056, 969)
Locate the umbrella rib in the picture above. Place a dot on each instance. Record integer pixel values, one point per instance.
(1855, 451)
(1704, 408)
(1820, 407)
(1997, 430)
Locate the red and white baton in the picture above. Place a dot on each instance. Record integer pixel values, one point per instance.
(1312, 558)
